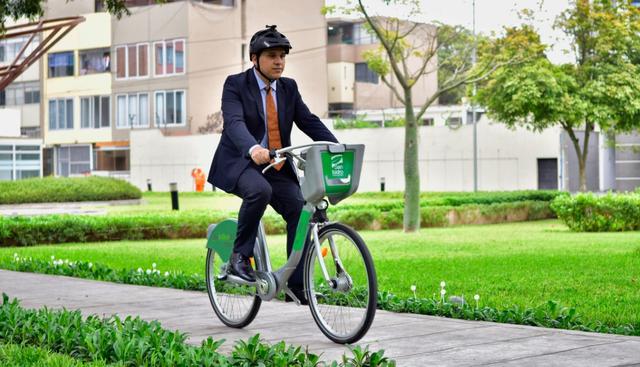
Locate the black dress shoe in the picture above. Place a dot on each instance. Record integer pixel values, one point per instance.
(300, 295)
(241, 267)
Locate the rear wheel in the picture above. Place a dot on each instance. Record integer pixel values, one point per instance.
(236, 305)
(344, 306)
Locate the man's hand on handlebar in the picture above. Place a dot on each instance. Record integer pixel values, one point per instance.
(260, 155)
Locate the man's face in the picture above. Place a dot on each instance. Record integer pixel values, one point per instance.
(271, 62)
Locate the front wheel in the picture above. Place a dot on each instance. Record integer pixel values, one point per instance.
(344, 305)
(236, 305)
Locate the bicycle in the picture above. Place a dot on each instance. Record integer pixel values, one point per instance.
(339, 275)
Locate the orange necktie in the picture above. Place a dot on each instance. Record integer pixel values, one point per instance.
(273, 129)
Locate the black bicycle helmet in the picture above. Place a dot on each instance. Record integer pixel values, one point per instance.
(268, 38)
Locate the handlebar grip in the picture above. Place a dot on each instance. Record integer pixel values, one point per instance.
(272, 153)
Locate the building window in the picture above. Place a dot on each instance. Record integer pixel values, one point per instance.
(60, 114)
(169, 57)
(132, 61)
(20, 93)
(364, 74)
(111, 159)
(19, 161)
(427, 121)
(10, 48)
(361, 35)
(170, 108)
(73, 160)
(61, 64)
(132, 110)
(95, 112)
(95, 61)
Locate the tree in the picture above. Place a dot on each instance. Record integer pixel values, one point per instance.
(408, 51)
(599, 89)
(32, 9)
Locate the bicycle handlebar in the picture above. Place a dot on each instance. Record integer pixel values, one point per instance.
(279, 155)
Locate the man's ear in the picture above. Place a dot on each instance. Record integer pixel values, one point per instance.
(254, 58)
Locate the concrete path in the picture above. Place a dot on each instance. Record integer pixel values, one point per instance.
(412, 340)
(81, 207)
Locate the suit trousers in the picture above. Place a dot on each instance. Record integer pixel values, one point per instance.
(281, 190)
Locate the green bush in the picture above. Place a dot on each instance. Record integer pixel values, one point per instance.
(29, 231)
(18, 355)
(358, 123)
(50, 229)
(62, 189)
(587, 212)
(135, 342)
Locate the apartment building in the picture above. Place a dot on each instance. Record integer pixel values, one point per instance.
(161, 68)
(20, 143)
(353, 87)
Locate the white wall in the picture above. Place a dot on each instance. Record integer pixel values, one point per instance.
(507, 159)
(9, 122)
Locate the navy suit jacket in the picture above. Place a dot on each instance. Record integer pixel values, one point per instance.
(244, 125)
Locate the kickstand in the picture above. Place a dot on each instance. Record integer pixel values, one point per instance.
(289, 293)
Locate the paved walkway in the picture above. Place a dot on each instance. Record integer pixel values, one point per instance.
(412, 340)
(80, 207)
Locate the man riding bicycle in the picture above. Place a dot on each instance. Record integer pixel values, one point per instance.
(259, 107)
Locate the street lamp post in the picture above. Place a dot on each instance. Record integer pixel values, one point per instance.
(473, 106)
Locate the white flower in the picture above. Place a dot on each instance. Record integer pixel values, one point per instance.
(53, 257)
(156, 271)
(153, 265)
(148, 271)
(90, 265)
(15, 254)
(476, 297)
(442, 284)
(66, 261)
(139, 270)
(443, 292)
(413, 288)
(166, 273)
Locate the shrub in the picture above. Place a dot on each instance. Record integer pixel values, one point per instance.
(17, 355)
(62, 189)
(589, 213)
(29, 231)
(135, 342)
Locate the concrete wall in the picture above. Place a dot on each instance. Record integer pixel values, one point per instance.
(627, 162)
(507, 159)
(10, 126)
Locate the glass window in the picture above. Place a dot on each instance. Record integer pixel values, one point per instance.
(179, 47)
(105, 111)
(179, 107)
(169, 58)
(143, 60)
(61, 64)
(2, 56)
(122, 112)
(143, 115)
(132, 59)
(133, 110)
(364, 74)
(85, 112)
(160, 109)
(69, 114)
(121, 63)
(169, 115)
(159, 52)
(53, 116)
(95, 61)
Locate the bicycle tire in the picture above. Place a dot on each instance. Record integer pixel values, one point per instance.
(236, 306)
(326, 303)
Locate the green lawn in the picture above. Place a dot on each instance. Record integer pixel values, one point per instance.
(523, 264)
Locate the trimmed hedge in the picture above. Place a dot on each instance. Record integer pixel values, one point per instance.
(29, 231)
(587, 212)
(63, 189)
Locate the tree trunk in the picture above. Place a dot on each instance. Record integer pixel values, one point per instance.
(411, 168)
(582, 156)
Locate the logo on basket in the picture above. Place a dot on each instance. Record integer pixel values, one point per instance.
(337, 165)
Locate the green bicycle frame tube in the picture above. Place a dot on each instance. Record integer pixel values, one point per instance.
(302, 231)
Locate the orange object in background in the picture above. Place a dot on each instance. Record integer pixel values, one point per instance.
(198, 177)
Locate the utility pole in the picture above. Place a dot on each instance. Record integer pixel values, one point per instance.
(473, 107)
